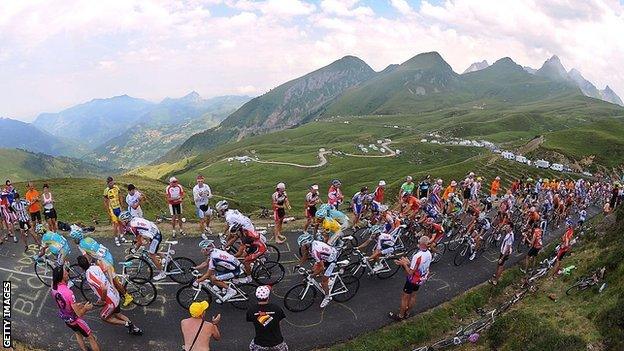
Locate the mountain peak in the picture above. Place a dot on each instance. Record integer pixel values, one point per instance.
(610, 96)
(477, 66)
(553, 69)
(426, 60)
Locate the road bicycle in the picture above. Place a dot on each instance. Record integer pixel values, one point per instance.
(264, 270)
(44, 266)
(467, 247)
(384, 268)
(342, 288)
(143, 291)
(272, 252)
(205, 290)
(179, 269)
(588, 282)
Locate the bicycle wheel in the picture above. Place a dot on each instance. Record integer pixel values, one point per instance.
(300, 297)
(140, 268)
(187, 294)
(76, 274)
(462, 254)
(439, 251)
(355, 269)
(272, 253)
(353, 285)
(454, 243)
(393, 269)
(181, 270)
(43, 271)
(268, 273)
(242, 300)
(143, 292)
(87, 292)
(578, 286)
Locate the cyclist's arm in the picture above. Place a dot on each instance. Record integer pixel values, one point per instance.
(81, 308)
(202, 265)
(205, 276)
(241, 251)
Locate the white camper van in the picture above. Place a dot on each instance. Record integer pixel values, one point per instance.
(557, 167)
(508, 155)
(542, 164)
(521, 159)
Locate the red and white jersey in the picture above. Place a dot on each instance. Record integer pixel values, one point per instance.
(143, 227)
(97, 281)
(174, 194)
(233, 217)
(322, 252)
(420, 265)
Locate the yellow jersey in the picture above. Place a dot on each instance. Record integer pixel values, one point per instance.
(112, 194)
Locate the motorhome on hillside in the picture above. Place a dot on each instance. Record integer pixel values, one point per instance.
(542, 164)
(521, 159)
(508, 155)
(557, 167)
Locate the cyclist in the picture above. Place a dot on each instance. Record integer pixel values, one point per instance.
(324, 257)
(222, 267)
(325, 211)
(102, 256)
(107, 295)
(435, 231)
(410, 206)
(145, 230)
(417, 270)
(54, 243)
(423, 187)
(477, 230)
(536, 246)
(250, 250)
(280, 204)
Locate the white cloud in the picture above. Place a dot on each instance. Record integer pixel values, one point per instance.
(58, 53)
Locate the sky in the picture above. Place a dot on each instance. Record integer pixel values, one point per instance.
(55, 54)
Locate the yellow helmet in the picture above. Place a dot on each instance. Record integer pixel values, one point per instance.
(331, 225)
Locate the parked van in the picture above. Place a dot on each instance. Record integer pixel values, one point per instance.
(542, 164)
(508, 155)
(557, 167)
(521, 159)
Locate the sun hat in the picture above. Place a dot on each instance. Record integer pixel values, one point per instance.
(197, 308)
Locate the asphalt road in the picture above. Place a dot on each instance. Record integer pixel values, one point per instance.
(35, 320)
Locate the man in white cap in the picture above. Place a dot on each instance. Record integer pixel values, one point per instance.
(175, 195)
(378, 195)
(197, 332)
(266, 318)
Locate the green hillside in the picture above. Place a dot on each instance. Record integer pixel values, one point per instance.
(20, 165)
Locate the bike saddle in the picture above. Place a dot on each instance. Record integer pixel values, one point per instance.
(175, 242)
(342, 263)
(348, 237)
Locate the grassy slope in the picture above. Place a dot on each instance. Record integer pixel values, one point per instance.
(19, 165)
(584, 321)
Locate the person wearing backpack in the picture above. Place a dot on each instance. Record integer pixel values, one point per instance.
(197, 331)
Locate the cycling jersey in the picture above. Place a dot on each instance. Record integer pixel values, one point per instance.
(537, 238)
(134, 200)
(97, 281)
(56, 243)
(96, 250)
(413, 203)
(407, 188)
(334, 196)
(379, 194)
(201, 195)
(326, 211)
(220, 261)
(144, 228)
(385, 242)
(174, 194)
(507, 244)
(431, 211)
(420, 265)
(424, 188)
(65, 298)
(566, 238)
(322, 252)
(235, 218)
(112, 194)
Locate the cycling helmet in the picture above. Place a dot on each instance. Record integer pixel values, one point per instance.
(423, 200)
(336, 182)
(383, 208)
(305, 239)
(222, 205)
(488, 199)
(323, 211)
(76, 233)
(40, 229)
(281, 186)
(206, 244)
(440, 181)
(382, 183)
(481, 216)
(263, 292)
(125, 216)
(569, 222)
(453, 183)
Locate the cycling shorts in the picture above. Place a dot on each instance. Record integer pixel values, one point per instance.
(109, 309)
(114, 214)
(329, 268)
(310, 212)
(410, 287)
(279, 214)
(80, 326)
(229, 274)
(255, 250)
(357, 208)
(154, 244)
(175, 209)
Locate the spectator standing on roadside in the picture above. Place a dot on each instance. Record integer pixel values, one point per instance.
(20, 208)
(201, 196)
(266, 318)
(134, 199)
(417, 270)
(505, 251)
(34, 207)
(378, 195)
(49, 212)
(196, 331)
(280, 204)
(423, 187)
(311, 200)
(334, 194)
(174, 194)
(407, 187)
(112, 205)
(495, 188)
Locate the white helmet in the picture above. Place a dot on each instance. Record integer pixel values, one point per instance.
(222, 205)
(280, 186)
(173, 179)
(382, 183)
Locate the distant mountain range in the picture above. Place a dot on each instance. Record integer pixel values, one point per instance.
(17, 134)
(554, 69)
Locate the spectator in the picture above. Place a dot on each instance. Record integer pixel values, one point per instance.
(201, 196)
(423, 187)
(49, 213)
(134, 200)
(417, 271)
(70, 311)
(280, 203)
(311, 200)
(8, 217)
(112, 205)
(266, 318)
(505, 251)
(196, 331)
(334, 194)
(536, 246)
(495, 187)
(379, 192)
(407, 187)
(20, 208)
(175, 195)
(34, 207)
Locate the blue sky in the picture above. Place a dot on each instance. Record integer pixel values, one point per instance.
(55, 54)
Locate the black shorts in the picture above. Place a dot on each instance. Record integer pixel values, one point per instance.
(35, 216)
(203, 208)
(533, 252)
(49, 214)
(24, 225)
(175, 209)
(467, 194)
(410, 287)
(311, 212)
(502, 259)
